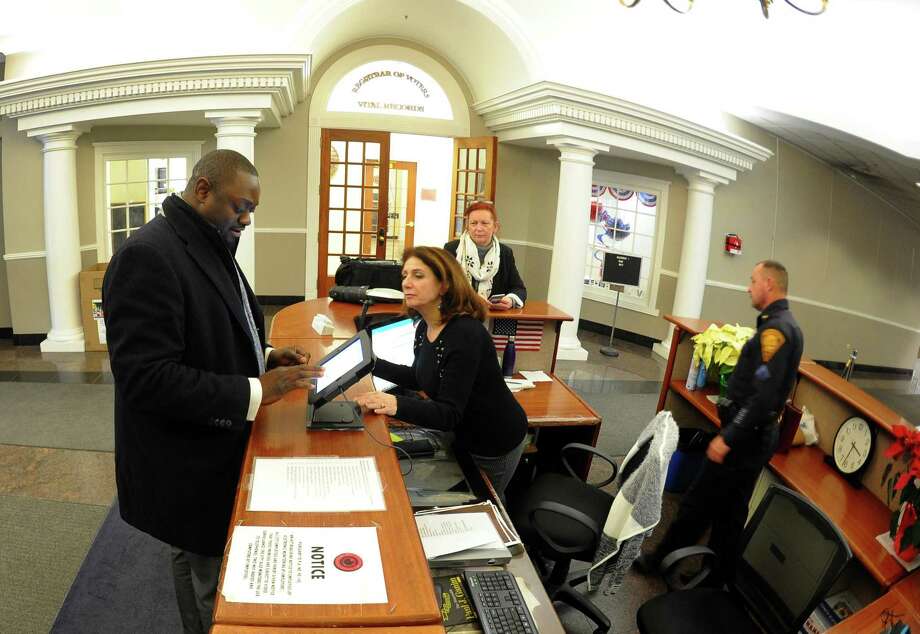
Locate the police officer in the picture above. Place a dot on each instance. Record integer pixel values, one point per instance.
(757, 391)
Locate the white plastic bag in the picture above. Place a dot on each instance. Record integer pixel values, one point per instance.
(807, 425)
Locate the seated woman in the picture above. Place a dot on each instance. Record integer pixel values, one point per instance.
(488, 264)
(456, 366)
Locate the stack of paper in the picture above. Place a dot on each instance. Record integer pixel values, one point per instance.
(461, 539)
(536, 376)
(500, 521)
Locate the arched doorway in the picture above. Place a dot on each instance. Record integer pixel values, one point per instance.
(394, 106)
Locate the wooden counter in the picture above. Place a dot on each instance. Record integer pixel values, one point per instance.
(296, 321)
(280, 431)
(257, 629)
(861, 514)
(900, 603)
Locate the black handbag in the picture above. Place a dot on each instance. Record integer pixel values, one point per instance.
(350, 294)
(369, 273)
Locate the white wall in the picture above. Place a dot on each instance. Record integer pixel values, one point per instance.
(434, 157)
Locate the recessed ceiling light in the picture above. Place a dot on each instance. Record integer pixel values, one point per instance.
(917, 184)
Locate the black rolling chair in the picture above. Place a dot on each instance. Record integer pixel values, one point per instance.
(561, 518)
(791, 554)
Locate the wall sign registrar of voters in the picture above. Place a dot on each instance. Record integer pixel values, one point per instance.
(276, 564)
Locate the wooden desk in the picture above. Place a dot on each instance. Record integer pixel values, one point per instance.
(557, 415)
(296, 321)
(861, 514)
(550, 404)
(258, 629)
(279, 431)
(902, 601)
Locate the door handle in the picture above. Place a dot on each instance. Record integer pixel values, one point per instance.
(410, 224)
(382, 234)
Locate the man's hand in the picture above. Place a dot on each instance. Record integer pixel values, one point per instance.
(377, 402)
(278, 382)
(717, 450)
(505, 303)
(293, 355)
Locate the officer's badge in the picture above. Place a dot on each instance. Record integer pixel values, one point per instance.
(771, 340)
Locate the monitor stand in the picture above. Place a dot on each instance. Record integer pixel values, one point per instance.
(336, 415)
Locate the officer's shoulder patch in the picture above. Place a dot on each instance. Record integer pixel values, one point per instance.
(771, 340)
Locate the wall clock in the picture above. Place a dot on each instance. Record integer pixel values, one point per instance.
(852, 450)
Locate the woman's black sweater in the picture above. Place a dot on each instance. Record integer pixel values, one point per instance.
(459, 372)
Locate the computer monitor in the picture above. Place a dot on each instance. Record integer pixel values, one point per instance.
(343, 367)
(393, 341)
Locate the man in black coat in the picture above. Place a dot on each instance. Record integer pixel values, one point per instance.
(757, 391)
(186, 339)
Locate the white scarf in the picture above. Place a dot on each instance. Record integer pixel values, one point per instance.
(484, 272)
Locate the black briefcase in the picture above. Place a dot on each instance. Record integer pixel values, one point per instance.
(369, 273)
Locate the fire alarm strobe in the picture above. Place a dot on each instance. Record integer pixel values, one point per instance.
(733, 244)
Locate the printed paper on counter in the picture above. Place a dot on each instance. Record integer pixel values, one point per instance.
(276, 564)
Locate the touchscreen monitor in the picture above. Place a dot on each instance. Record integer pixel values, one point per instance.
(343, 367)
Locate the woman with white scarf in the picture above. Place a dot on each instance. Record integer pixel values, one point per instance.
(488, 264)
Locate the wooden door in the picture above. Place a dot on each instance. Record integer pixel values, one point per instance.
(473, 176)
(401, 217)
(352, 199)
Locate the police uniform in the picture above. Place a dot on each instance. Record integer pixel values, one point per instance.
(757, 390)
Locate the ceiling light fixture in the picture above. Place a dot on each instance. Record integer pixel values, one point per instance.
(683, 6)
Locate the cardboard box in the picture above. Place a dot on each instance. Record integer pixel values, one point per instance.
(91, 306)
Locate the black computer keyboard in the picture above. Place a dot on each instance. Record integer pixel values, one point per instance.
(499, 603)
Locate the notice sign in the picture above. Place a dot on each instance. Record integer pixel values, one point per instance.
(277, 564)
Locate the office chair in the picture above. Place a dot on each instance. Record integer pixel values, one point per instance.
(791, 554)
(562, 518)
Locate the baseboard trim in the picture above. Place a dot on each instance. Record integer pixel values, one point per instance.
(279, 300)
(873, 369)
(625, 335)
(6, 333)
(28, 339)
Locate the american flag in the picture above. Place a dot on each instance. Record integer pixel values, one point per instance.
(528, 334)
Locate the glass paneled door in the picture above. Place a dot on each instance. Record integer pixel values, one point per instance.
(401, 217)
(353, 199)
(473, 176)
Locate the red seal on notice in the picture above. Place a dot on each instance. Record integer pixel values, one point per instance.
(348, 562)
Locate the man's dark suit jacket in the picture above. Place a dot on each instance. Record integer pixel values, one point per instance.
(507, 279)
(181, 353)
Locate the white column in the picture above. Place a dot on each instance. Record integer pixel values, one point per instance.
(62, 236)
(236, 130)
(694, 253)
(567, 270)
